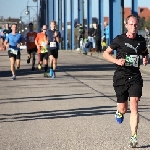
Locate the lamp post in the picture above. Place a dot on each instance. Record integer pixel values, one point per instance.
(28, 11)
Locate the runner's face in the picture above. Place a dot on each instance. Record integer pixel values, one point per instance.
(44, 29)
(30, 27)
(7, 26)
(132, 25)
(14, 28)
(53, 25)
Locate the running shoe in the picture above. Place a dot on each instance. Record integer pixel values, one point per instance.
(51, 72)
(13, 77)
(39, 67)
(54, 75)
(119, 117)
(133, 141)
(45, 74)
(28, 60)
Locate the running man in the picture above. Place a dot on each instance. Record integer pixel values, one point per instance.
(6, 31)
(54, 39)
(127, 79)
(41, 41)
(31, 47)
(12, 43)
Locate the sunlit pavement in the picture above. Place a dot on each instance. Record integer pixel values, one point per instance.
(75, 111)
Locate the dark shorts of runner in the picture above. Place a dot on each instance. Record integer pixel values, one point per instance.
(126, 87)
(33, 50)
(14, 56)
(43, 56)
(54, 53)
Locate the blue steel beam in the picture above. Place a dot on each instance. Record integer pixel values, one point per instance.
(101, 15)
(80, 11)
(54, 10)
(89, 13)
(135, 7)
(59, 17)
(122, 16)
(42, 3)
(72, 23)
(50, 10)
(47, 14)
(114, 19)
(65, 24)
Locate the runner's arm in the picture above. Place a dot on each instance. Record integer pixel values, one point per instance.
(36, 42)
(6, 43)
(58, 37)
(21, 41)
(145, 56)
(107, 55)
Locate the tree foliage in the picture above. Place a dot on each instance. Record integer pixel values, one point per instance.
(141, 23)
(147, 23)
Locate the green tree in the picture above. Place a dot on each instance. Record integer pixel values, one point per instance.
(147, 23)
(141, 23)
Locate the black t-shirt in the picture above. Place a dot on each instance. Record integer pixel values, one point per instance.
(125, 48)
(97, 34)
(51, 38)
(7, 31)
(91, 32)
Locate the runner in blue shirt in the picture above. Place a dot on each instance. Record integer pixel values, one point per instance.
(12, 43)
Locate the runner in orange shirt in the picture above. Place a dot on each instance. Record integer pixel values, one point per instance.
(31, 47)
(41, 42)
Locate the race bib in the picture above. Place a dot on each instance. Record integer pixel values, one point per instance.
(132, 60)
(6, 34)
(31, 38)
(44, 50)
(13, 51)
(52, 44)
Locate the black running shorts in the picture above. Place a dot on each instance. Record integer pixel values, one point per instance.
(54, 53)
(43, 56)
(127, 86)
(33, 50)
(13, 55)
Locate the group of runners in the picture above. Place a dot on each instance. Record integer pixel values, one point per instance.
(45, 44)
(127, 79)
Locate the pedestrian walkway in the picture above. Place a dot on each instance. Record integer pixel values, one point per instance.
(75, 111)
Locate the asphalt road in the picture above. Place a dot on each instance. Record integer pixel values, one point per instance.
(75, 111)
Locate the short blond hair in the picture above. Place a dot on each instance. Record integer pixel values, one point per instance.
(131, 16)
(53, 21)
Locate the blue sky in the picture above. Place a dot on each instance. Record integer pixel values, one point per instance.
(16, 8)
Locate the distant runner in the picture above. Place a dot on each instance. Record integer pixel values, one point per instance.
(31, 47)
(12, 43)
(42, 45)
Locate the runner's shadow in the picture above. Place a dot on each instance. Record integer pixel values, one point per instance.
(56, 114)
(146, 146)
(20, 72)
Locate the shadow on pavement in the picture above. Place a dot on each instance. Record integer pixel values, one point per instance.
(87, 67)
(55, 114)
(49, 98)
(21, 72)
(146, 146)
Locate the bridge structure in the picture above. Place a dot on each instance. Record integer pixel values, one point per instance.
(49, 8)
